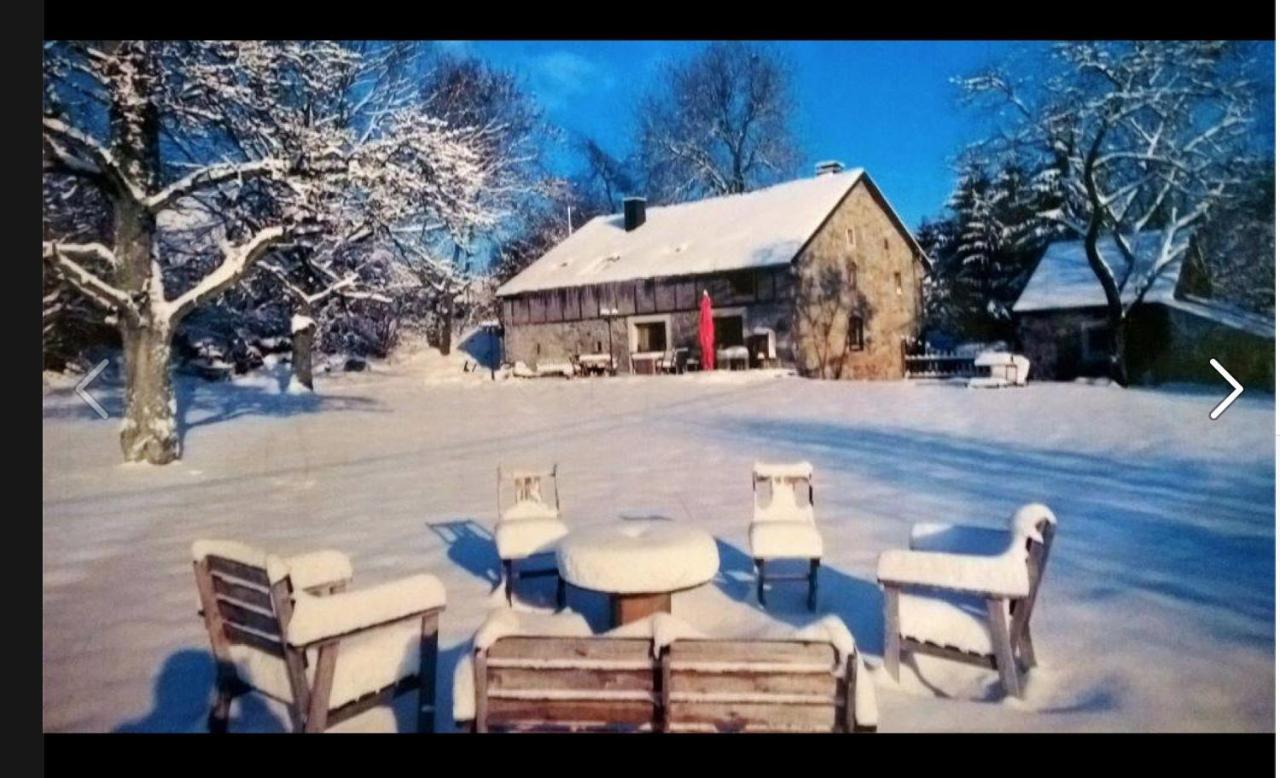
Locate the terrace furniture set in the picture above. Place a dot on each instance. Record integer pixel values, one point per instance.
(288, 628)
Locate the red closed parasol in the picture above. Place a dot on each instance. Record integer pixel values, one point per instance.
(707, 333)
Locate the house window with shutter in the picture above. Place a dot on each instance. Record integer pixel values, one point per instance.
(651, 336)
(856, 342)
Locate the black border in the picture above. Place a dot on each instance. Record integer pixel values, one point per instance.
(609, 755)
(629, 19)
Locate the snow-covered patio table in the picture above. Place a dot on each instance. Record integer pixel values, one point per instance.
(639, 563)
(731, 355)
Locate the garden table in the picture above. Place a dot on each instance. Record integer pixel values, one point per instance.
(638, 563)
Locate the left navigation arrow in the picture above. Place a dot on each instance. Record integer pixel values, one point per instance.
(83, 392)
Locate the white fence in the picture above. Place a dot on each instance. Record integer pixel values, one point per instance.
(940, 364)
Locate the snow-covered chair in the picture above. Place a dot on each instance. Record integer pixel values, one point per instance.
(966, 593)
(529, 523)
(782, 525)
(672, 361)
(286, 628)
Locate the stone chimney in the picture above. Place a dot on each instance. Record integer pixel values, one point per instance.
(829, 167)
(632, 212)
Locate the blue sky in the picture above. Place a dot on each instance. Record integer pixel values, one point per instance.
(888, 106)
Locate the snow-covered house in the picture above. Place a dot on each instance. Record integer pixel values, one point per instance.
(1173, 332)
(819, 273)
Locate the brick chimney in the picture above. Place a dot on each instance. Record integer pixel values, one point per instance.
(829, 167)
(632, 212)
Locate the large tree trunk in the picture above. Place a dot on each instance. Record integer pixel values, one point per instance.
(446, 325)
(304, 336)
(150, 429)
(1119, 351)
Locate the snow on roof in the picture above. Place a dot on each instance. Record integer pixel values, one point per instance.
(1226, 315)
(1063, 279)
(756, 229)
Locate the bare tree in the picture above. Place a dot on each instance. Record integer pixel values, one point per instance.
(466, 92)
(309, 284)
(605, 179)
(1237, 246)
(719, 123)
(1138, 136)
(153, 123)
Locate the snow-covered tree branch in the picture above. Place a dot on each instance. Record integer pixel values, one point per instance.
(264, 131)
(1133, 137)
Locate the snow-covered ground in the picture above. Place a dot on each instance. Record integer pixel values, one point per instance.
(1157, 611)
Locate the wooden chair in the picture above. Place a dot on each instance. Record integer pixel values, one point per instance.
(288, 629)
(673, 360)
(529, 524)
(988, 580)
(783, 527)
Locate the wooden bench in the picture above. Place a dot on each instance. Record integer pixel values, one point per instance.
(615, 684)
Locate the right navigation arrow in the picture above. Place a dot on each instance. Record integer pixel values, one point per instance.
(1236, 389)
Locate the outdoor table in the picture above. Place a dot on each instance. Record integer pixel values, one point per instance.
(638, 563)
(596, 362)
(733, 354)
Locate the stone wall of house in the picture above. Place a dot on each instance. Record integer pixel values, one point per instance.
(858, 265)
(1163, 344)
(1054, 343)
(559, 341)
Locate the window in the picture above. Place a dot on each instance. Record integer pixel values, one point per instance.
(852, 237)
(651, 336)
(728, 331)
(886, 244)
(856, 341)
(897, 283)
(853, 274)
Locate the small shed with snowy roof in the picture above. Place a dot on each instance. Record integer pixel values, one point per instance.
(819, 273)
(1173, 331)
